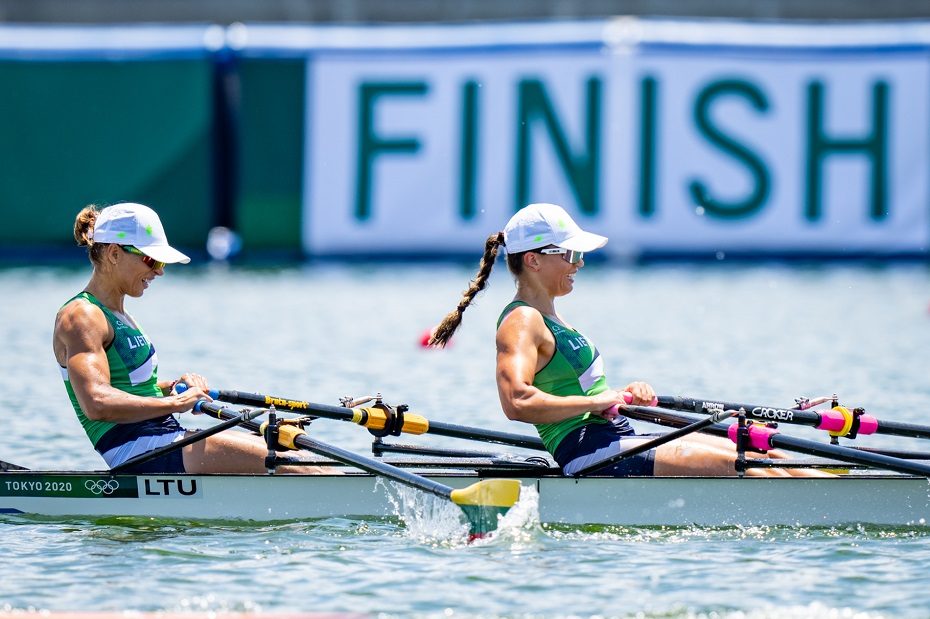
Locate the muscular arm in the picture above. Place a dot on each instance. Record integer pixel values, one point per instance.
(81, 331)
(524, 346)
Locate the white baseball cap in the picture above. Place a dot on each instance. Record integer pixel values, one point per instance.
(133, 224)
(539, 225)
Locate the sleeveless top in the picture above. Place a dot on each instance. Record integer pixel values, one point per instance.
(576, 368)
(133, 368)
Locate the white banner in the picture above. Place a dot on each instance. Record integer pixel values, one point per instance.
(669, 146)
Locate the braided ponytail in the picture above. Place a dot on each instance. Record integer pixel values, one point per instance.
(453, 319)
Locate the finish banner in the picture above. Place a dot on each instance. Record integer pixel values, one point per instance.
(671, 138)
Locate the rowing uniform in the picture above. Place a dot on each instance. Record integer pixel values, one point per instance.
(134, 369)
(576, 368)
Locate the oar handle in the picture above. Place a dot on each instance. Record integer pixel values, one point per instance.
(182, 387)
(375, 418)
(614, 409)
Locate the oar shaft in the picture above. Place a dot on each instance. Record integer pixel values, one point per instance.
(824, 419)
(671, 419)
(502, 438)
(364, 417)
(754, 411)
(902, 429)
(850, 455)
(775, 439)
(347, 457)
(374, 466)
(656, 442)
(231, 420)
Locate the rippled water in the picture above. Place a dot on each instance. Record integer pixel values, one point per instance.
(754, 333)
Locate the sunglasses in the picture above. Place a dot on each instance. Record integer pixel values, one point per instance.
(571, 256)
(146, 260)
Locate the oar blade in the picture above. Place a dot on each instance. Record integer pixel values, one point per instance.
(483, 502)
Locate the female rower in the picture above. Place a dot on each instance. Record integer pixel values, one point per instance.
(110, 367)
(552, 376)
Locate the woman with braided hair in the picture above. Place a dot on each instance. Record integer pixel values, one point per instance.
(552, 376)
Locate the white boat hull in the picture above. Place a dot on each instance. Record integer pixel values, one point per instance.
(671, 501)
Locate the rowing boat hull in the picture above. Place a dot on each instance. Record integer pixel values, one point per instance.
(672, 501)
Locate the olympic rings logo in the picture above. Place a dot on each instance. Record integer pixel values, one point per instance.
(101, 486)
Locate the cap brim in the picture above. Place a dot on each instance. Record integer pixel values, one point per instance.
(164, 253)
(584, 241)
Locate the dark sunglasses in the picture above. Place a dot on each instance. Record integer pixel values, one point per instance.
(569, 255)
(148, 261)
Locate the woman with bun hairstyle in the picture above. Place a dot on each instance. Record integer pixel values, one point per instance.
(550, 375)
(109, 365)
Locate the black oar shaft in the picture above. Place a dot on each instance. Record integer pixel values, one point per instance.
(502, 438)
(374, 466)
(347, 457)
(9, 466)
(787, 415)
(849, 455)
(903, 429)
(353, 415)
(753, 411)
(671, 419)
(656, 442)
(230, 421)
(778, 440)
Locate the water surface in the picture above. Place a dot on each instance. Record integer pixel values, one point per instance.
(760, 333)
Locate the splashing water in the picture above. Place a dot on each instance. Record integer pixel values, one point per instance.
(432, 520)
(428, 519)
(520, 525)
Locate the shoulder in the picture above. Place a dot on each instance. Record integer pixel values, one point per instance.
(524, 315)
(522, 324)
(80, 316)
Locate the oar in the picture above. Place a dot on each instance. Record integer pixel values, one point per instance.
(481, 502)
(230, 422)
(764, 438)
(377, 419)
(839, 421)
(652, 443)
(9, 466)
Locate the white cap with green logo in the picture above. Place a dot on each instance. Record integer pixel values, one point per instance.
(539, 225)
(133, 224)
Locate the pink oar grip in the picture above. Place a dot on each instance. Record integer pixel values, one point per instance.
(628, 398)
(759, 436)
(614, 409)
(868, 424)
(833, 420)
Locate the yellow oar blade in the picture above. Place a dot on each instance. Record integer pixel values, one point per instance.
(484, 501)
(488, 492)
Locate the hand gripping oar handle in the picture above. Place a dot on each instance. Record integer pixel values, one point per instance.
(481, 502)
(614, 409)
(375, 419)
(839, 421)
